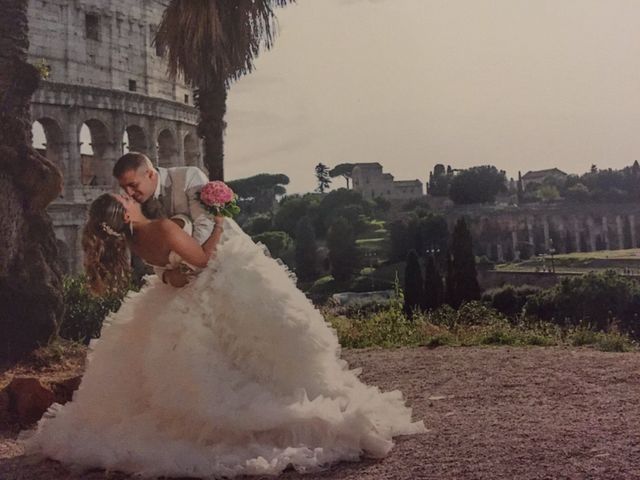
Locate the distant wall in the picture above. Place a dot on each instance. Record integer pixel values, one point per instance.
(495, 278)
(505, 233)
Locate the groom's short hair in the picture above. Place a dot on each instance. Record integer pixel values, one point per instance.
(131, 161)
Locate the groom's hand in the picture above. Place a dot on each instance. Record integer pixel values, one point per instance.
(175, 278)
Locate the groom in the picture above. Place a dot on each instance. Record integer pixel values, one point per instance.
(164, 192)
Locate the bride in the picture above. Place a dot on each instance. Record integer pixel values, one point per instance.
(234, 374)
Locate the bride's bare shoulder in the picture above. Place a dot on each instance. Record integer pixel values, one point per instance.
(167, 225)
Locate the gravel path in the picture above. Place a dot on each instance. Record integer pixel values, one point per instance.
(492, 413)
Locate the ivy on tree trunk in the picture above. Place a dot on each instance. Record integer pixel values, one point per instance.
(31, 305)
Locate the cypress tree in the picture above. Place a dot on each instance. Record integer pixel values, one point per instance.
(433, 290)
(449, 290)
(306, 248)
(343, 254)
(413, 284)
(323, 178)
(464, 281)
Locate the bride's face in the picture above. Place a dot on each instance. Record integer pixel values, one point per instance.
(132, 209)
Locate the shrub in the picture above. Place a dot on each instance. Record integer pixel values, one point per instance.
(508, 299)
(84, 313)
(612, 341)
(594, 298)
(388, 327)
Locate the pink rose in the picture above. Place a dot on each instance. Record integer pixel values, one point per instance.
(216, 193)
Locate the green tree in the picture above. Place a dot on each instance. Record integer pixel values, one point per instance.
(212, 43)
(402, 236)
(477, 185)
(429, 232)
(439, 181)
(577, 193)
(258, 193)
(31, 291)
(433, 291)
(606, 185)
(449, 288)
(323, 178)
(381, 207)
(433, 233)
(306, 250)
(413, 285)
(342, 170)
(548, 193)
(520, 189)
(258, 224)
(463, 281)
(343, 254)
(342, 203)
(292, 209)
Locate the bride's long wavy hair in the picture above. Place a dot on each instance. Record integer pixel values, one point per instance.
(104, 241)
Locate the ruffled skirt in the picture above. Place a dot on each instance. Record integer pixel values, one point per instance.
(236, 373)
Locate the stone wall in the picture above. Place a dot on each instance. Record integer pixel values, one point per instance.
(514, 232)
(104, 44)
(496, 278)
(106, 75)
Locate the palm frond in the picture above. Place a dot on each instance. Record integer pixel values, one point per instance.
(205, 38)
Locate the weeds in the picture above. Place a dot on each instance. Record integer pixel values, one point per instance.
(473, 324)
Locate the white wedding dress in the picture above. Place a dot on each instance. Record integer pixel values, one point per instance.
(236, 373)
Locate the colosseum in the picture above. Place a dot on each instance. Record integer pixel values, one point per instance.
(107, 93)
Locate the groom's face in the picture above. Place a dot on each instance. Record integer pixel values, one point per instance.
(139, 184)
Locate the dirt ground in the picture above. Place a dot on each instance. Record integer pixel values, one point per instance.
(492, 413)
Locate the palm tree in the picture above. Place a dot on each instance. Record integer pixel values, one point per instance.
(212, 43)
(31, 305)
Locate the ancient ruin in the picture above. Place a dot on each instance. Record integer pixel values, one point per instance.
(106, 75)
(518, 232)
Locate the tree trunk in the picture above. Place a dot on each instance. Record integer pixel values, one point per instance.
(31, 305)
(212, 102)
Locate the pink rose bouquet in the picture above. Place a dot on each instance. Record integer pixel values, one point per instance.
(218, 199)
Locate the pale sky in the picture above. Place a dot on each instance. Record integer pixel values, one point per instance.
(520, 84)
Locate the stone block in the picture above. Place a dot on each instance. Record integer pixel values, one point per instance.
(28, 399)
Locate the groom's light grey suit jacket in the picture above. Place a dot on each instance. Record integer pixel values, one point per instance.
(176, 190)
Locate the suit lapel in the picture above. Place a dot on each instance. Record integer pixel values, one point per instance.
(167, 194)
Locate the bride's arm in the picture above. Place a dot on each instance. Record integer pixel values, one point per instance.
(188, 248)
(211, 244)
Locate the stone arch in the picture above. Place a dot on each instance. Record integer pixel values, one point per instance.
(136, 140)
(97, 165)
(52, 146)
(191, 150)
(167, 148)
